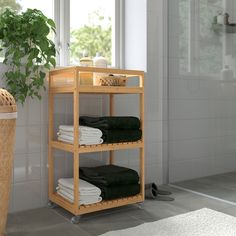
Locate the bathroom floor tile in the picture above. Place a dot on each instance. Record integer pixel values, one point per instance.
(50, 222)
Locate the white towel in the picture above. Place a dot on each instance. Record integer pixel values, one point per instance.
(84, 200)
(87, 135)
(84, 186)
(83, 130)
(90, 192)
(69, 139)
(81, 134)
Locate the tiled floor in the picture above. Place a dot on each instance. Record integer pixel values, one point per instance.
(220, 186)
(56, 222)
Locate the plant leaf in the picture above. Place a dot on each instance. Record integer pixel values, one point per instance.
(28, 51)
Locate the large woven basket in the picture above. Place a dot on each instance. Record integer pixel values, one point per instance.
(7, 136)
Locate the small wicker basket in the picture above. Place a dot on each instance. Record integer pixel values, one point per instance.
(112, 80)
(7, 136)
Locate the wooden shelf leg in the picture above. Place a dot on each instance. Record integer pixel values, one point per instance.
(50, 150)
(142, 154)
(142, 183)
(111, 113)
(76, 142)
(111, 157)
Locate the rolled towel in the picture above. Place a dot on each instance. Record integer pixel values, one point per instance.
(84, 186)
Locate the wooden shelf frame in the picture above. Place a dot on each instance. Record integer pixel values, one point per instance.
(76, 89)
(72, 74)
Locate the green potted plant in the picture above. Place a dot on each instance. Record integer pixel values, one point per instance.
(28, 51)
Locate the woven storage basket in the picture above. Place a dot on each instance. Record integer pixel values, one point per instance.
(7, 136)
(112, 80)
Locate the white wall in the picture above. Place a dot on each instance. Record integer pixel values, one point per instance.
(135, 34)
(145, 50)
(29, 183)
(156, 91)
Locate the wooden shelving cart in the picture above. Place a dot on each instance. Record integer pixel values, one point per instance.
(68, 81)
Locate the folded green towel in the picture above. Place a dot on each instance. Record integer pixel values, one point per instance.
(109, 175)
(119, 136)
(119, 191)
(111, 122)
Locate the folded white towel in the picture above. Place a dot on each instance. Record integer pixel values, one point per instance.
(69, 139)
(89, 192)
(84, 139)
(83, 130)
(87, 135)
(84, 186)
(84, 200)
(81, 134)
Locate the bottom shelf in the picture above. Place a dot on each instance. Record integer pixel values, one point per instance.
(97, 206)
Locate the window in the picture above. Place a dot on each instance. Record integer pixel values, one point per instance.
(47, 9)
(87, 25)
(90, 25)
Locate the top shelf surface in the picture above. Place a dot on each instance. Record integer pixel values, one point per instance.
(68, 80)
(62, 70)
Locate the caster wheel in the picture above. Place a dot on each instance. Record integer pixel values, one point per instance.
(75, 219)
(140, 205)
(51, 205)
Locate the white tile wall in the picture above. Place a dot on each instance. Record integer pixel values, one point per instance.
(201, 106)
(156, 94)
(27, 195)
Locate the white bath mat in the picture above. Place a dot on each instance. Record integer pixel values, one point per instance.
(204, 222)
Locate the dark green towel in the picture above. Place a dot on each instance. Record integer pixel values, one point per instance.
(119, 136)
(119, 191)
(111, 122)
(109, 175)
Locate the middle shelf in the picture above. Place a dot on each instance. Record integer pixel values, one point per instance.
(96, 148)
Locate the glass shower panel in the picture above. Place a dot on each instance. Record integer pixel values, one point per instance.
(202, 96)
